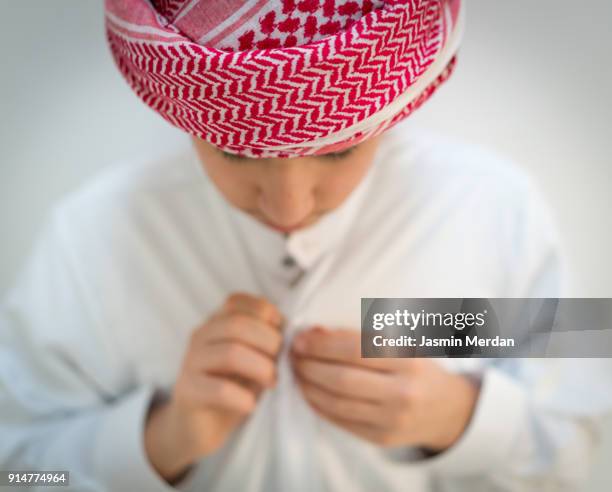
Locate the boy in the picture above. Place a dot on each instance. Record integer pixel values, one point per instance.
(191, 323)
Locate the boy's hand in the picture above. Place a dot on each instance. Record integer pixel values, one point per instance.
(390, 402)
(229, 361)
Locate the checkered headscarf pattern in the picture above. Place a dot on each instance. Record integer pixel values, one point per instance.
(284, 78)
(245, 25)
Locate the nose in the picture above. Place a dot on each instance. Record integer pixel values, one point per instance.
(287, 196)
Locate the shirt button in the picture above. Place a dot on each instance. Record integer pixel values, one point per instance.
(289, 261)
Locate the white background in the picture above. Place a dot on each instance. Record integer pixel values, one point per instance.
(533, 82)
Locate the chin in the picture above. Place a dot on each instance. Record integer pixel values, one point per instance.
(289, 229)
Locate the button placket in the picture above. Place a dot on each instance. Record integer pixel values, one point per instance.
(302, 248)
(294, 272)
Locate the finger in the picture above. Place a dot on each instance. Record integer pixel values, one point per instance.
(257, 307)
(225, 394)
(341, 346)
(364, 431)
(353, 410)
(243, 329)
(233, 359)
(347, 380)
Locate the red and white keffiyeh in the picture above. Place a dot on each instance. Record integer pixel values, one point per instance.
(284, 78)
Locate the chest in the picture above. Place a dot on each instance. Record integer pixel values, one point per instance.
(155, 307)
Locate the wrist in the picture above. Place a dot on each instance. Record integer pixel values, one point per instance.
(463, 396)
(168, 456)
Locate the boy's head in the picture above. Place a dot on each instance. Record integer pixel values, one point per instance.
(285, 80)
(287, 194)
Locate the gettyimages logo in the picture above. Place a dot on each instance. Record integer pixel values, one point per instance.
(413, 321)
(479, 327)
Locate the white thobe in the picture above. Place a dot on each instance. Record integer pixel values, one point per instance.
(98, 323)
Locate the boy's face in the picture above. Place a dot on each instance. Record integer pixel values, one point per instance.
(287, 194)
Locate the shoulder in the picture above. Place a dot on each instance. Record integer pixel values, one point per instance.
(135, 211)
(129, 191)
(418, 169)
(439, 165)
(465, 200)
(126, 181)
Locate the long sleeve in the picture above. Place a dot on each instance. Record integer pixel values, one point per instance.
(67, 401)
(536, 422)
